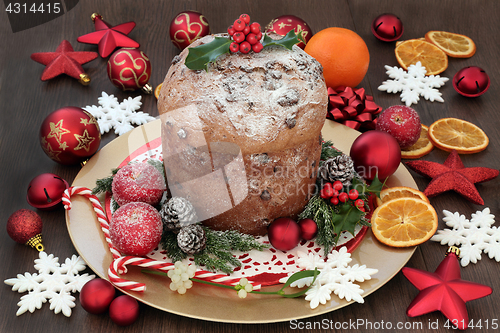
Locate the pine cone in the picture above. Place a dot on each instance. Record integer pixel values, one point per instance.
(178, 212)
(338, 168)
(192, 239)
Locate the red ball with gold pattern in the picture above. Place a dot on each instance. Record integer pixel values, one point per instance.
(130, 69)
(187, 27)
(283, 24)
(70, 135)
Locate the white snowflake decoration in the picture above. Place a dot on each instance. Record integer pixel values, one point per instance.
(413, 84)
(334, 276)
(56, 287)
(120, 116)
(473, 237)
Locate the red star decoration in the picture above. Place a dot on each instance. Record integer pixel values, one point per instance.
(452, 175)
(444, 291)
(64, 61)
(109, 38)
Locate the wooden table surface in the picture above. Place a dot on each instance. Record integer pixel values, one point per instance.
(25, 101)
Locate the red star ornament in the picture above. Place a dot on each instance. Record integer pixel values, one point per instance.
(107, 37)
(452, 175)
(444, 291)
(64, 61)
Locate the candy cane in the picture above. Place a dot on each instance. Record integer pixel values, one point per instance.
(96, 204)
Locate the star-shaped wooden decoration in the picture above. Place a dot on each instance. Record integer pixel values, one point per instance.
(444, 291)
(452, 175)
(109, 38)
(64, 61)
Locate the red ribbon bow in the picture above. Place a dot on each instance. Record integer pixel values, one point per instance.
(352, 108)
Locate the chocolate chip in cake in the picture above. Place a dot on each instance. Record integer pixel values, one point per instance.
(265, 195)
(291, 97)
(291, 122)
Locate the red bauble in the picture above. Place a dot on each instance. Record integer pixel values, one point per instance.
(25, 227)
(187, 27)
(107, 37)
(471, 81)
(283, 24)
(70, 135)
(96, 296)
(308, 229)
(387, 27)
(124, 310)
(375, 153)
(45, 191)
(444, 291)
(129, 70)
(284, 234)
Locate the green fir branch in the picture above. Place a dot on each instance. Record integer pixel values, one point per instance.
(103, 185)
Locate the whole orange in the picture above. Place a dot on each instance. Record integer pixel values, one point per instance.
(343, 55)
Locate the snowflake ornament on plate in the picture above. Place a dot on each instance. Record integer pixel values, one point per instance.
(413, 84)
(473, 237)
(120, 116)
(334, 276)
(56, 287)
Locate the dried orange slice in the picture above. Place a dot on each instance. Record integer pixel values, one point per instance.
(396, 192)
(452, 133)
(401, 41)
(157, 90)
(454, 45)
(430, 56)
(422, 147)
(404, 222)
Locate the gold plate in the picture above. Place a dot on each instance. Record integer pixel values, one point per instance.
(207, 302)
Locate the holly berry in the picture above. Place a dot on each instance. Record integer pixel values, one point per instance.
(238, 37)
(246, 31)
(359, 203)
(251, 38)
(338, 185)
(245, 18)
(245, 47)
(234, 47)
(255, 28)
(231, 30)
(334, 201)
(343, 197)
(328, 192)
(353, 194)
(259, 35)
(239, 25)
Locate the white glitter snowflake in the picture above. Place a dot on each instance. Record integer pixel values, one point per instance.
(473, 237)
(334, 276)
(56, 287)
(120, 116)
(413, 84)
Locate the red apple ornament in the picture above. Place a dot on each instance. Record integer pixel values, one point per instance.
(124, 310)
(375, 153)
(96, 296)
(402, 122)
(284, 234)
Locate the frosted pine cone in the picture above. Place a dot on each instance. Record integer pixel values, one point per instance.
(192, 239)
(178, 212)
(338, 168)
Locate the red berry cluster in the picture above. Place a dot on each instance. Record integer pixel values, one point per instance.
(334, 192)
(245, 36)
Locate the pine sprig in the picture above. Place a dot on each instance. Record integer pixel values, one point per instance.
(103, 185)
(327, 151)
(217, 255)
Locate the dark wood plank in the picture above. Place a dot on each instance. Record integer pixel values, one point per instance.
(26, 101)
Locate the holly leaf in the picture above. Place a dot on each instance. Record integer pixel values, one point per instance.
(375, 186)
(200, 56)
(289, 40)
(346, 219)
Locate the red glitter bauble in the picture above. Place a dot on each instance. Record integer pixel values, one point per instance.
(471, 81)
(375, 153)
(25, 227)
(284, 234)
(70, 135)
(124, 310)
(283, 24)
(308, 229)
(96, 296)
(45, 191)
(129, 70)
(187, 27)
(136, 229)
(387, 27)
